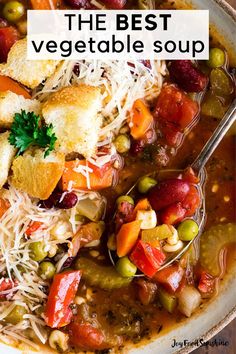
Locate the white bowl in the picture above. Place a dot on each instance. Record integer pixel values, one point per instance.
(219, 311)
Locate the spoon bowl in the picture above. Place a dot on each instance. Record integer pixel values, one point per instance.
(198, 167)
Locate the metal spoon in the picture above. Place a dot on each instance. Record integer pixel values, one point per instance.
(199, 168)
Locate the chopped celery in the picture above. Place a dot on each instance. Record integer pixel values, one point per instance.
(212, 242)
(105, 277)
(212, 106)
(221, 83)
(167, 300)
(93, 209)
(157, 233)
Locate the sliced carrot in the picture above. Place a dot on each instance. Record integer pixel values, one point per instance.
(79, 181)
(44, 4)
(7, 84)
(141, 119)
(4, 205)
(127, 237)
(143, 204)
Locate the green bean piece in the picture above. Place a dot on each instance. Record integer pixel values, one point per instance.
(188, 230)
(47, 270)
(16, 315)
(125, 267)
(13, 11)
(146, 183)
(124, 198)
(167, 300)
(216, 58)
(38, 252)
(105, 277)
(122, 143)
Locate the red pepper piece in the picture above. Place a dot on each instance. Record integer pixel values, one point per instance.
(173, 214)
(168, 192)
(148, 259)
(189, 176)
(170, 278)
(6, 284)
(87, 337)
(61, 296)
(187, 76)
(34, 226)
(175, 107)
(8, 36)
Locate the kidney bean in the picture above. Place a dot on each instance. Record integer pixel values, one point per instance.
(115, 4)
(137, 146)
(69, 201)
(168, 192)
(80, 4)
(173, 214)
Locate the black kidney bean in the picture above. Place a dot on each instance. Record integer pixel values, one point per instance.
(68, 201)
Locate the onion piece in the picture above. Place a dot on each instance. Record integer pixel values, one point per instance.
(189, 300)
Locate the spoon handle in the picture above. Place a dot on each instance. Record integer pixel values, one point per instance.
(226, 122)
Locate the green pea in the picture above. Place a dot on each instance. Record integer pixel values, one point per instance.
(146, 183)
(13, 11)
(38, 252)
(47, 270)
(126, 268)
(124, 198)
(122, 143)
(187, 230)
(16, 315)
(216, 58)
(143, 4)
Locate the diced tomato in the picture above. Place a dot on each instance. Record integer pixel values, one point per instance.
(124, 214)
(207, 283)
(85, 336)
(173, 214)
(61, 296)
(175, 107)
(190, 176)
(170, 277)
(6, 284)
(115, 4)
(34, 226)
(8, 36)
(172, 135)
(146, 291)
(148, 259)
(192, 201)
(4, 206)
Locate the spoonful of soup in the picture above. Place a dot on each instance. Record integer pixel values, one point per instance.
(163, 212)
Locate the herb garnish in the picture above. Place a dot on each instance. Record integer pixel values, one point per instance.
(26, 131)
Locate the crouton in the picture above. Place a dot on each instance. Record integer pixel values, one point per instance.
(11, 103)
(73, 111)
(30, 73)
(36, 175)
(7, 153)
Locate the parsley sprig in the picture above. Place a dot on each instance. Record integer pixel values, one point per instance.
(27, 131)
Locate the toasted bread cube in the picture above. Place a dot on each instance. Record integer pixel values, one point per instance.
(36, 175)
(73, 111)
(30, 73)
(7, 153)
(11, 103)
